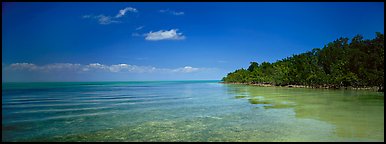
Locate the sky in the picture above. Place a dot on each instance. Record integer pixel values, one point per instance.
(134, 41)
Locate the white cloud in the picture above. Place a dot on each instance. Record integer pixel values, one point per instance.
(132, 68)
(61, 67)
(178, 13)
(69, 67)
(139, 28)
(46, 68)
(23, 66)
(122, 12)
(186, 69)
(164, 35)
(118, 67)
(104, 20)
(94, 66)
(172, 12)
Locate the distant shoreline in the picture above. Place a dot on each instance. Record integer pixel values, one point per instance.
(303, 86)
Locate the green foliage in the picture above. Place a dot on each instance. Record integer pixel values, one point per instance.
(254, 65)
(359, 63)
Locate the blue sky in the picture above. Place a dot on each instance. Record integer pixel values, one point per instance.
(168, 41)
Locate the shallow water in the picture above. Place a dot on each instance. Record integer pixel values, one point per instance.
(187, 111)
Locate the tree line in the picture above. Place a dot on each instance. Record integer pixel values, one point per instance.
(359, 63)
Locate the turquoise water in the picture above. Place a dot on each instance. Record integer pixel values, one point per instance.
(187, 111)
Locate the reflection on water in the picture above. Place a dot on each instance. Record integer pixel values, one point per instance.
(187, 111)
(356, 114)
(240, 96)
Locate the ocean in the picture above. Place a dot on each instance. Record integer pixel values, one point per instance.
(187, 111)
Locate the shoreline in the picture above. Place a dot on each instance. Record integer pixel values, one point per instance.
(374, 88)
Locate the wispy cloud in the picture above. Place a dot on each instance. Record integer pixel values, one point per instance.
(94, 66)
(164, 35)
(23, 66)
(99, 67)
(104, 20)
(45, 68)
(62, 67)
(172, 12)
(139, 28)
(186, 69)
(122, 12)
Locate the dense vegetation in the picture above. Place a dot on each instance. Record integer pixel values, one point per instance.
(359, 63)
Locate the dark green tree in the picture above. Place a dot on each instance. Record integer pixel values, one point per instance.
(359, 63)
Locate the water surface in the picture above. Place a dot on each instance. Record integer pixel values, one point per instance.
(187, 111)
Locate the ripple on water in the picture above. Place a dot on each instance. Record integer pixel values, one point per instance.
(187, 111)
